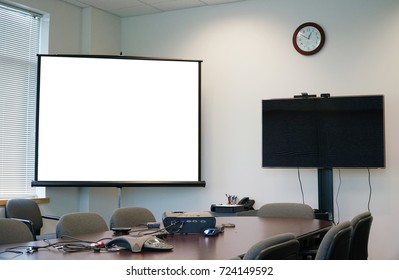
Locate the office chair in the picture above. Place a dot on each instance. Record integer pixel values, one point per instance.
(28, 211)
(283, 209)
(291, 210)
(335, 244)
(361, 225)
(73, 224)
(130, 217)
(279, 247)
(14, 231)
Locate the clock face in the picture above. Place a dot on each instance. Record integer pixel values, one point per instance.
(308, 38)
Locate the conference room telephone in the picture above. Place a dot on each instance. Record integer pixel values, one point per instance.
(247, 202)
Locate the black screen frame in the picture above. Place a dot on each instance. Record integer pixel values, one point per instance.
(117, 183)
(299, 132)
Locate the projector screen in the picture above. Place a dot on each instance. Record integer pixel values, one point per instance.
(117, 121)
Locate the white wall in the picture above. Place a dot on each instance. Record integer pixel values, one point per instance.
(248, 56)
(74, 30)
(65, 27)
(100, 32)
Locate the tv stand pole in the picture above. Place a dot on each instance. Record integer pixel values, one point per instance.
(119, 196)
(326, 192)
(325, 179)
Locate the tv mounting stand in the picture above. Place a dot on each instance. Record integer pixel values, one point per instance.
(325, 178)
(326, 191)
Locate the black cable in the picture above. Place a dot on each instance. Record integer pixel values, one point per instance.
(370, 189)
(82, 240)
(300, 184)
(139, 230)
(172, 225)
(163, 230)
(146, 232)
(336, 198)
(72, 245)
(11, 250)
(77, 245)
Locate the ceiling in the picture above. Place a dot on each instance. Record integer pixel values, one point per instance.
(129, 8)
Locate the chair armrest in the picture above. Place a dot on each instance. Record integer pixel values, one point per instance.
(29, 223)
(51, 217)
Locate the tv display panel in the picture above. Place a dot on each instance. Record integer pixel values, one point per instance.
(107, 120)
(341, 132)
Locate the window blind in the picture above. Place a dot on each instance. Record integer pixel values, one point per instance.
(19, 45)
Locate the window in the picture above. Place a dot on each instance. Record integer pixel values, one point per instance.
(19, 45)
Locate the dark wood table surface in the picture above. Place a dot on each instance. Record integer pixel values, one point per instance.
(229, 244)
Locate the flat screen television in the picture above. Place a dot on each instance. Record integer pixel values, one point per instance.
(118, 121)
(325, 132)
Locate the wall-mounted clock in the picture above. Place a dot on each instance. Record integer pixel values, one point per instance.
(308, 38)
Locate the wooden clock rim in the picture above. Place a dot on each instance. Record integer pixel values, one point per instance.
(322, 39)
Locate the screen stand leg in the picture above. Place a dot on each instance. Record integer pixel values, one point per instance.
(326, 192)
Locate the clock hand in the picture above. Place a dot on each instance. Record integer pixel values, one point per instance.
(303, 35)
(309, 35)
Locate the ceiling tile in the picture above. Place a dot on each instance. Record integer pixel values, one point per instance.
(177, 4)
(216, 2)
(109, 5)
(76, 3)
(136, 10)
(126, 8)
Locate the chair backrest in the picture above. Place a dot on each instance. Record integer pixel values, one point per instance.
(279, 247)
(335, 243)
(14, 231)
(73, 224)
(282, 209)
(27, 209)
(131, 216)
(361, 225)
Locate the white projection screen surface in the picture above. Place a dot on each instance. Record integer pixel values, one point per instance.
(117, 121)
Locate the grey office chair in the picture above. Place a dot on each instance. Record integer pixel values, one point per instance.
(14, 231)
(335, 244)
(291, 210)
(28, 211)
(130, 217)
(279, 247)
(73, 224)
(361, 225)
(286, 209)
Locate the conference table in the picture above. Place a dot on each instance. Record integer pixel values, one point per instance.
(232, 242)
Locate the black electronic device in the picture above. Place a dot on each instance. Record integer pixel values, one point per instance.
(137, 244)
(227, 208)
(244, 204)
(247, 203)
(188, 222)
(214, 231)
(326, 132)
(121, 230)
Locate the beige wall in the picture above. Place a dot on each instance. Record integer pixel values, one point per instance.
(73, 30)
(248, 56)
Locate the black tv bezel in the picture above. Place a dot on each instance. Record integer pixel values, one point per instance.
(381, 163)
